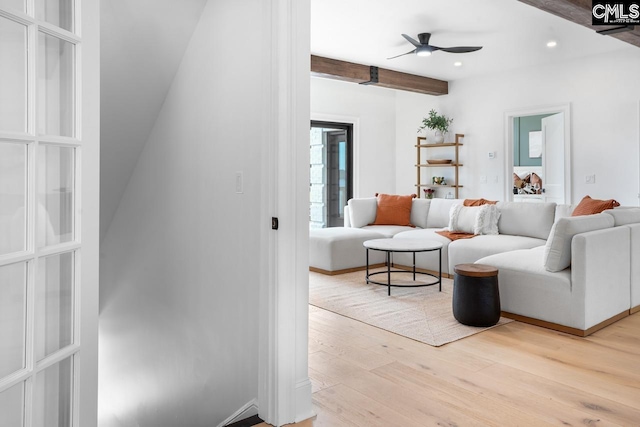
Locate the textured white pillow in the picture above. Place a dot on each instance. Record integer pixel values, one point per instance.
(487, 220)
(363, 211)
(463, 219)
(474, 219)
(557, 251)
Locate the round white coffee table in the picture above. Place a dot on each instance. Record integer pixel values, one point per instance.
(404, 245)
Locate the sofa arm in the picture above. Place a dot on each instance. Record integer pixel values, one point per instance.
(600, 274)
(347, 216)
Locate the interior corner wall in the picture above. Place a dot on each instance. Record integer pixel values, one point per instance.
(603, 94)
(180, 276)
(374, 108)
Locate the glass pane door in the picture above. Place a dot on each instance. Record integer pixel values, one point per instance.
(13, 314)
(39, 241)
(12, 406)
(13, 75)
(331, 179)
(13, 197)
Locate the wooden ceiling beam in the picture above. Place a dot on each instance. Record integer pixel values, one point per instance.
(358, 73)
(579, 12)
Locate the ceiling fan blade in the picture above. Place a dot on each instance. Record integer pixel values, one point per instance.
(410, 40)
(413, 51)
(459, 49)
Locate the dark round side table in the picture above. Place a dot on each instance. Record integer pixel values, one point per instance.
(476, 298)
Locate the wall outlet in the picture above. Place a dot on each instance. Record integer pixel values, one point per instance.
(483, 179)
(495, 178)
(492, 154)
(589, 179)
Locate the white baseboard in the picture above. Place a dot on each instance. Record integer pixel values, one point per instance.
(304, 410)
(247, 410)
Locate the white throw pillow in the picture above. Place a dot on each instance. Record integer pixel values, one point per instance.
(557, 251)
(463, 219)
(474, 219)
(363, 211)
(487, 220)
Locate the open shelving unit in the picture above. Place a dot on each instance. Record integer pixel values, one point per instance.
(455, 163)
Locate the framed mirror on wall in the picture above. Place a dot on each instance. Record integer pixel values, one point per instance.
(538, 154)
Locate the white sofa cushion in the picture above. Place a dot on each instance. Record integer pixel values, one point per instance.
(388, 231)
(526, 219)
(362, 211)
(557, 253)
(420, 212)
(624, 216)
(467, 251)
(439, 212)
(563, 211)
(340, 248)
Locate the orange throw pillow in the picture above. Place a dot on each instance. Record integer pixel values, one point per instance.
(589, 206)
(478, 202)
(394, 210)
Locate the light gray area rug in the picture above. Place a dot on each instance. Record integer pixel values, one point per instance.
(423, 314)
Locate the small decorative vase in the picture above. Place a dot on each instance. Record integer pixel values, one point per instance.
(429, 195)
(438, 137)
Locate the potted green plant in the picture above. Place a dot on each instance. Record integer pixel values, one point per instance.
(438, 122)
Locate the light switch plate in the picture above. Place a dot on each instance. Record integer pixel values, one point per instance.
(239, 182)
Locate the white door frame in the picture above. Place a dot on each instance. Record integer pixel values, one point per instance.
(508, 144)
(284, 389)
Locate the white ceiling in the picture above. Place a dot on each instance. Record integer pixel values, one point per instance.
(513, 35)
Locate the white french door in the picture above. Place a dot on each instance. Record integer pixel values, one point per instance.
(40, 213)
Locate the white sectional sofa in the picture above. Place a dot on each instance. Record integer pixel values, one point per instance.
(599, 284)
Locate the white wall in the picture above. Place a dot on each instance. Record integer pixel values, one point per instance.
(411, 108)
(603, 92)
(149, 36)
(180, 262)
(374, 109)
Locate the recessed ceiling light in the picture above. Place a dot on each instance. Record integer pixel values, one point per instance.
(552, 43)
(457, 64)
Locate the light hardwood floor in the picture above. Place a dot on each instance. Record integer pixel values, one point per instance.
(512, 375)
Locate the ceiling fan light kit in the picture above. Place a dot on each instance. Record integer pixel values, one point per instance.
(423, 48)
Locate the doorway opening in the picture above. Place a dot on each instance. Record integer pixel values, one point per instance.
(537, 155)
(331, 172)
